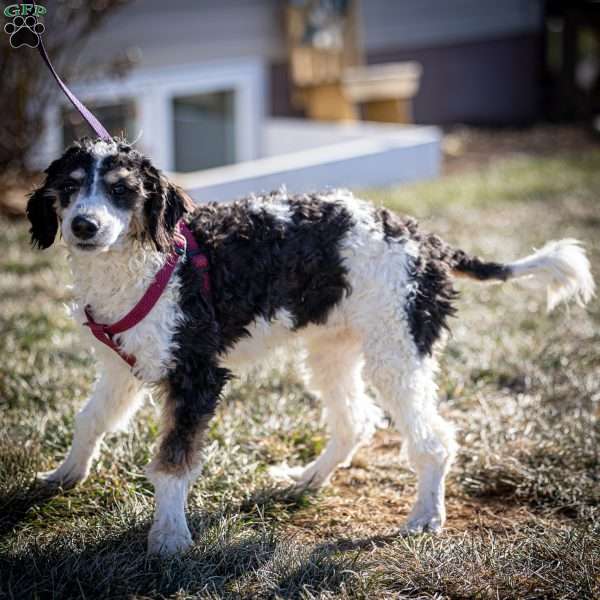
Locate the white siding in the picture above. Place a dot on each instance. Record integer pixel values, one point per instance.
(191, 31)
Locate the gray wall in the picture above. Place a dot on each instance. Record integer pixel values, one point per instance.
(407, 24)
(480, 57)
(186, 31)
(178, 31)
(485, 82)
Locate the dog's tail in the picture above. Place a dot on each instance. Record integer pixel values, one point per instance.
(561, 266)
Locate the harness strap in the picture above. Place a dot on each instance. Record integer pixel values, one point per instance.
(198, 258)
(102, 333)
(185, 243)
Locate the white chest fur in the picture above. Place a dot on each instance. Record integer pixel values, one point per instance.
(111, 284)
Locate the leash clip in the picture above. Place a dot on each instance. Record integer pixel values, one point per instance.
(180, 244)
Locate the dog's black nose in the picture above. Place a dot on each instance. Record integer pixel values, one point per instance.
(84, 227)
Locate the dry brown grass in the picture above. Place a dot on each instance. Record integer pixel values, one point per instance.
(523, 388)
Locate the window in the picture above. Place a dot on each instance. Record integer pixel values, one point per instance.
(193, 116)
(204, 131)
(118, 118)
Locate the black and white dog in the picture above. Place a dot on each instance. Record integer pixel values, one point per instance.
(365, 292)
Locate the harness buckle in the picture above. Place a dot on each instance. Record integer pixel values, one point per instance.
(180, 244)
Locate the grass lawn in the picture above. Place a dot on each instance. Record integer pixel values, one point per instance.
(523, 388)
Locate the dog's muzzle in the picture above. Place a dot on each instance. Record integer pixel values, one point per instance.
(84, 228)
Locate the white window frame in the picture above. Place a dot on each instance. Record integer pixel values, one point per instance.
(152, 90)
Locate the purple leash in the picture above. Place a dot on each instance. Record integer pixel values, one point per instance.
(79, 106)
(83, 110)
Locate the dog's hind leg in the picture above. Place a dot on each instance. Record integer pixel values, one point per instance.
(115, 397)
(334, 367)
(408, 393)
(191, 393)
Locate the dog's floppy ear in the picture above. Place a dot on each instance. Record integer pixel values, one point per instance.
(41, 209)
(43, 218)
(165, 204)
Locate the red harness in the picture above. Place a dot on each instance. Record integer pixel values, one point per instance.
(185, 244)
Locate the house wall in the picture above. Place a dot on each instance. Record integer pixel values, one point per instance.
(485, 82)
(481, 58)
(152, 90)
(408, 24)
(176, 32)
(190, 31)
(178, 47)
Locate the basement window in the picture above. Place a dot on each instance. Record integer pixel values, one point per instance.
(204, 131)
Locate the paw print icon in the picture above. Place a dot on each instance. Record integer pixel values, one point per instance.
(24, 31)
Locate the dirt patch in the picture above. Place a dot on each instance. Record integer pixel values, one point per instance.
(371, 499)
(469, 148)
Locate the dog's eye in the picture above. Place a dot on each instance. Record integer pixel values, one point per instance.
(119, 190)
(70, 187)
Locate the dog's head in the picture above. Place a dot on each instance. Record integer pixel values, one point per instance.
(103, 195)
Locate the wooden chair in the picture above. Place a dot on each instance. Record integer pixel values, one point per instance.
(331, 81)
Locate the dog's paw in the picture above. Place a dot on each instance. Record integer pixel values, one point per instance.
(423, 522)
(164, 541)
(301, 478)
(284, 473)
(66, 476)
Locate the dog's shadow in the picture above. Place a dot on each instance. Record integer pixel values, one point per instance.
(238, 541)
(118, 567)
(115, 564)
(16, 505)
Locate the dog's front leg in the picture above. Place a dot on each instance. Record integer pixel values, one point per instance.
(114, 399)
(191, 395)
